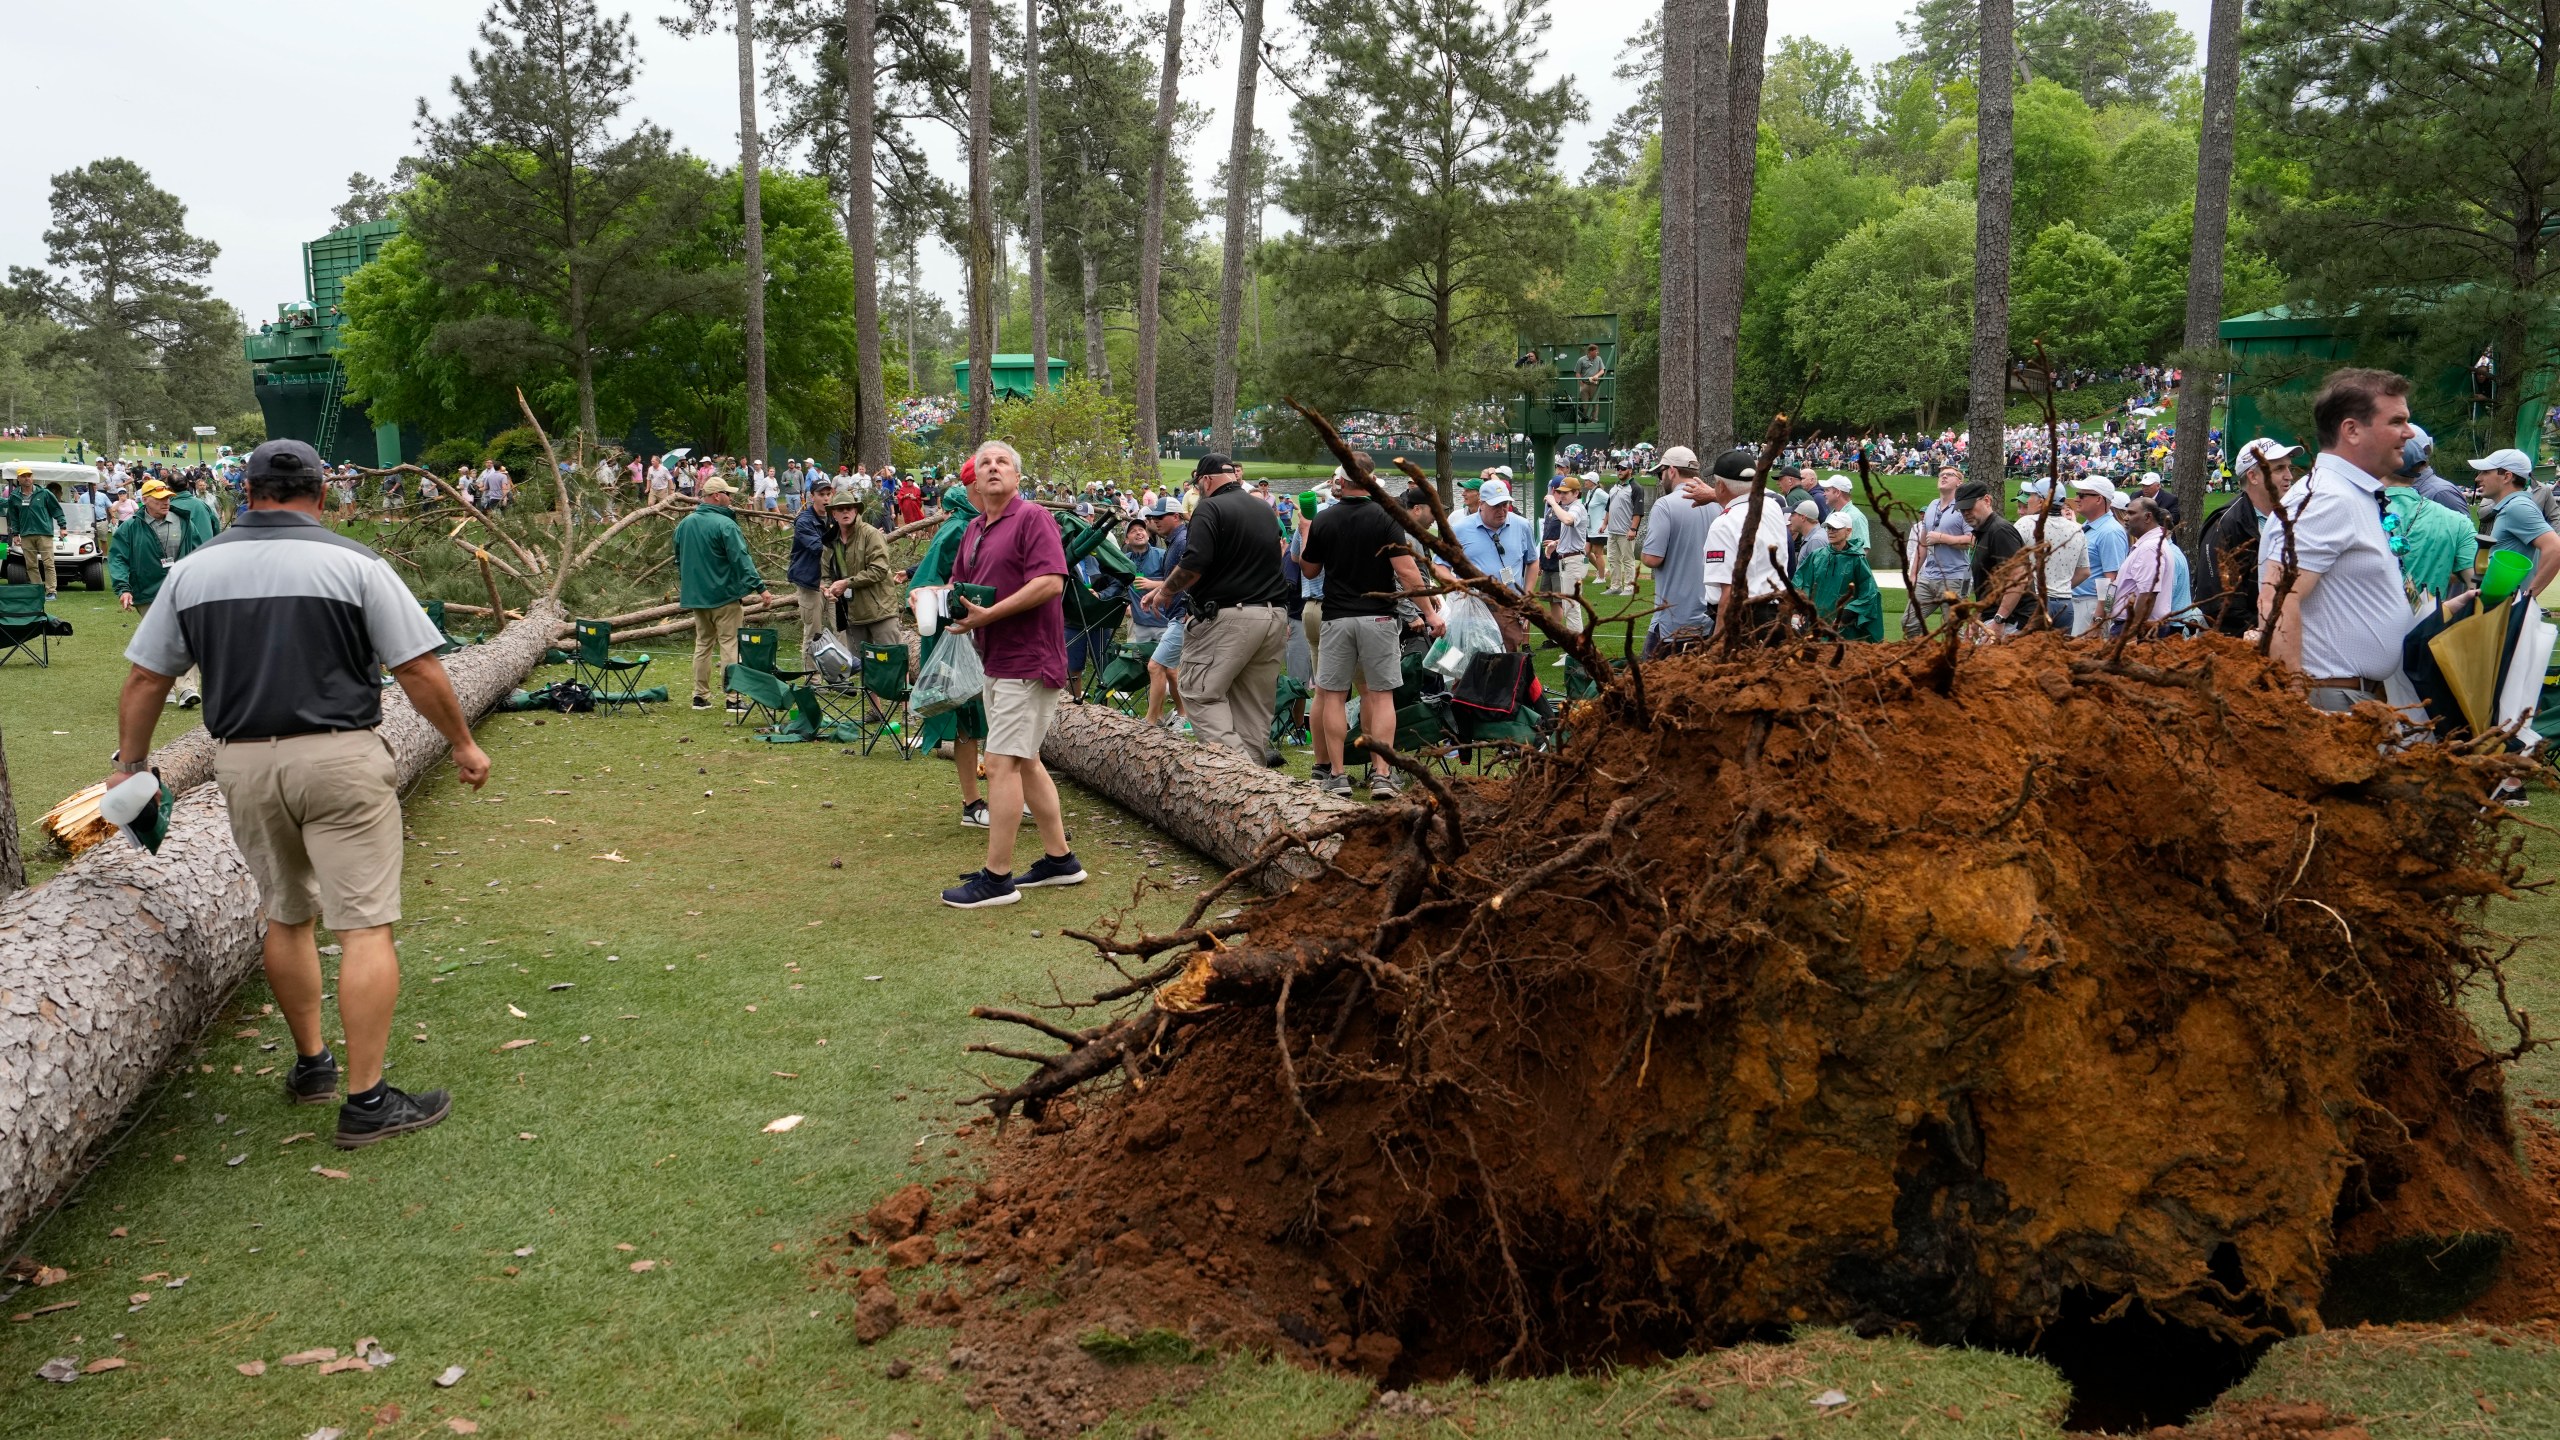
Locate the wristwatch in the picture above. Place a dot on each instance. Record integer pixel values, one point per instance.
(129, 767)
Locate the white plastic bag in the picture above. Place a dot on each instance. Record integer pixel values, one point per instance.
(1469, 631)
(951, 679)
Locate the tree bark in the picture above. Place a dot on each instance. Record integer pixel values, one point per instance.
(1222, 381)
(1676, 326)
(122, 958)
(1097, 361)
(1151, 236)
(982, 225)
(1747, 65)
(1211, 798)
(1035, 255)
(862, 233)
(1987, 397)
(13, 860)
(751, 185)
(2196, 372)
(1711, 119)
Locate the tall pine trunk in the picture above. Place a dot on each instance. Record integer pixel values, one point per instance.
(1987, 396)
(1240, 190)
(862, 233)
(1676, 327)
(1097, 360)
(13, 862)
(1034, 256)
(2196, 374)
(1151, 237)
(982, 224)
(1747, 64)
(751, 181)
(1711, 143)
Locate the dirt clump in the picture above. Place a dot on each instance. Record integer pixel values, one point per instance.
(1965, 993)
(2268, 1420)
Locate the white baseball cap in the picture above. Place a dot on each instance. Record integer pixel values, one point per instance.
(1837, 482)
(1838, 520)
(2259, 451)
(1494, 493)
(2511, 460)
(2119, 499)
(2093, 485)
(2150, 477)
(1503, 470)
(1678, 457)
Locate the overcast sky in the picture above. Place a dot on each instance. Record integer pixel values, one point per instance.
(254, 114)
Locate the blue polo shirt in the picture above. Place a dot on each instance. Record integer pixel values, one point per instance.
(2107, 549)
(1502, 554)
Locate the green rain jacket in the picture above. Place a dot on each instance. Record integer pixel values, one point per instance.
(134, 566)
(34, 512)
(713, 565)
(1843, 591)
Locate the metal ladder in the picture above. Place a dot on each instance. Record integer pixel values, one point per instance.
(329, 406)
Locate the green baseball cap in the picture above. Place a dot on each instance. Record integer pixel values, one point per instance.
(1471, 484)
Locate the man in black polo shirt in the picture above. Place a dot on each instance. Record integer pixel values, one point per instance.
(1995, 542)
(1238, 637)
(289, 620)
(1362, 554)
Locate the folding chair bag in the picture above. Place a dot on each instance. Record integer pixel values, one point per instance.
(1492, 686)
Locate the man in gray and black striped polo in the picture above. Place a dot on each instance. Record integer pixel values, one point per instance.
(292, 624)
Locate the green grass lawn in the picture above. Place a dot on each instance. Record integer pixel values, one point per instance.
(723, 972)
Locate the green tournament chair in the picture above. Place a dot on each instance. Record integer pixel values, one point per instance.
(436, 617)
(884, 699)
(615, 679)
(783, 714)
(25, 627)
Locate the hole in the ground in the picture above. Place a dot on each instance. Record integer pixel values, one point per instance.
(2137, 1370)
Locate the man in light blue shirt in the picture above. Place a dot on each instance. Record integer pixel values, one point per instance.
(2104, 535)
(1496, 540)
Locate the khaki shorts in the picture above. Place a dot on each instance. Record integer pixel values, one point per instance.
(1364, 650)
(318, 817)
(1019, 714)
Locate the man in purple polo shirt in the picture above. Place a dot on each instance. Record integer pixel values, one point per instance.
(1014, 549)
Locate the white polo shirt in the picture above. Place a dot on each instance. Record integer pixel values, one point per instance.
(1764, 578)
(2352, 625)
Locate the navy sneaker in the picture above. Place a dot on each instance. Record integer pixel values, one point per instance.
(979, 891)
(312, 1082)
(1051, 870)
(399, 1113)
(974, 814)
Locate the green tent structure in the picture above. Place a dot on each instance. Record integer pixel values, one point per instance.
(2280, 356)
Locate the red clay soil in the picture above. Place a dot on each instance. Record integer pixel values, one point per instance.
(1961, 995)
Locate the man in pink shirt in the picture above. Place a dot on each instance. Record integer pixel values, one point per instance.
(1013, 547)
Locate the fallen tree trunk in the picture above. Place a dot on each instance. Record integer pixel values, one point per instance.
(122, 957)
(1211, 798)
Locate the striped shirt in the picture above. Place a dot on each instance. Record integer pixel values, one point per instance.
(288, 620)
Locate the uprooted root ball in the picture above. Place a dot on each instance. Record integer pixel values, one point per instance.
(1958, 994)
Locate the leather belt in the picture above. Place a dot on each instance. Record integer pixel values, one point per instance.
(2357, 683)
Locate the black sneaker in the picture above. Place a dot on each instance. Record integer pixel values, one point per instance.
(701, 703)
(974, 814)
(980, 891)
(737, 705)
(312, 1082)
(1051, 870)
(399, 1113)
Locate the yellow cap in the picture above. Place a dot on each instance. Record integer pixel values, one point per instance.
(153, 488)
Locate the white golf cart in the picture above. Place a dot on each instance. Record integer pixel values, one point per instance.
(76, 555)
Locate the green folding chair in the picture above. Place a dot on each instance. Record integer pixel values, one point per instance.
(435, 617)
(770, 705)
(1289, 720)
(1121, 681)
(25, 628)
(760, 647)
(884, 699)
(615, 679)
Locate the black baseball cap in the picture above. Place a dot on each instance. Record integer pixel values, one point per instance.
(1214, 465)
(279, 458)
(1737, 464)
(1969, 492)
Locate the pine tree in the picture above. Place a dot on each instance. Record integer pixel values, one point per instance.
(1241, 185)
(1987, 398)
(2204, 272)
(537, 194)
(1428, 202)
(125, 283)
(1151, 231)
